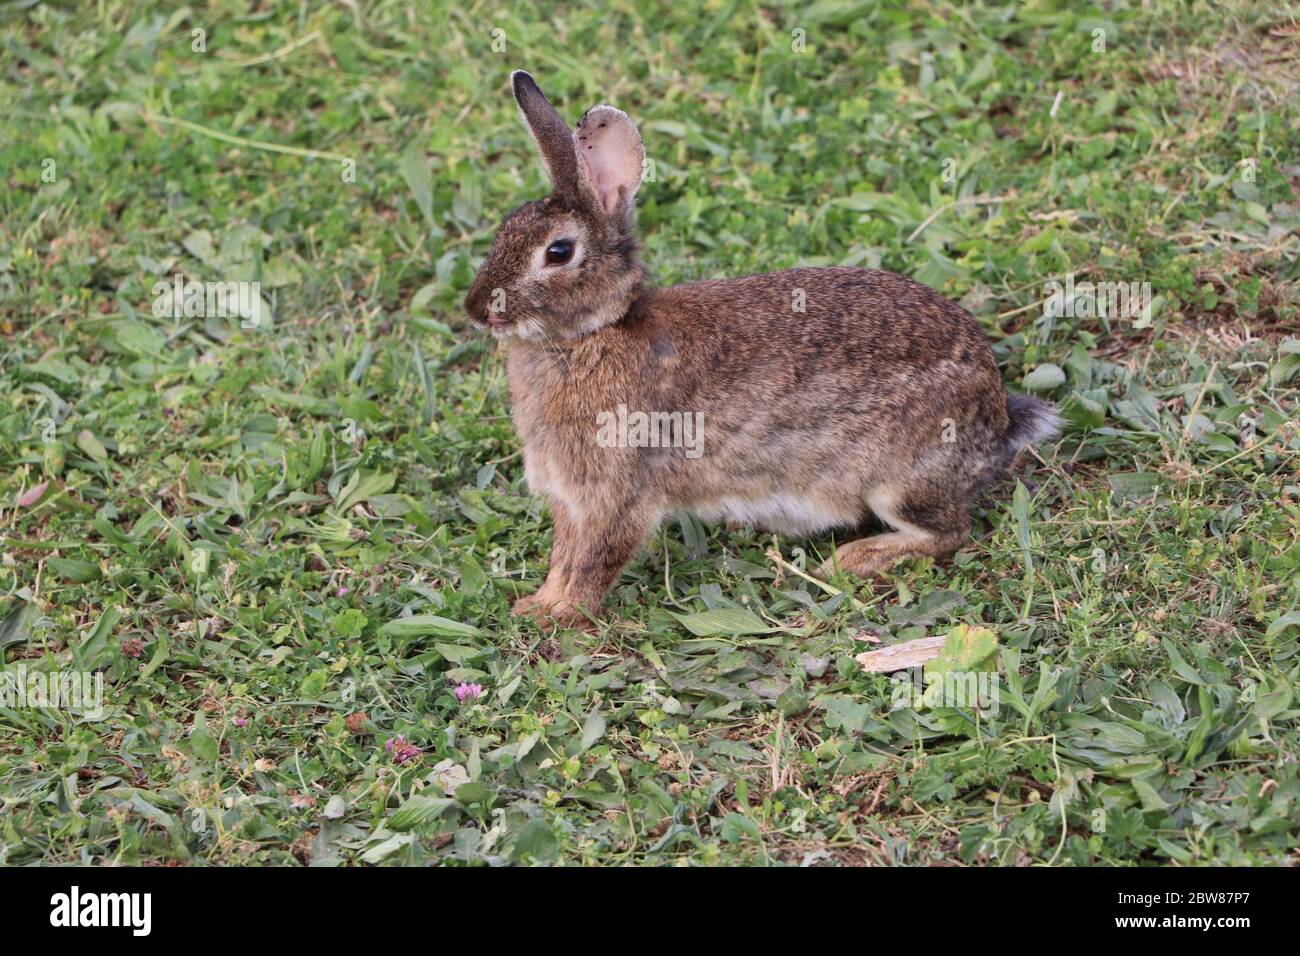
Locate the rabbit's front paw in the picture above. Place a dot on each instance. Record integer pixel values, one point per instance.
(555, 613)
(567, 614)
(530, 605)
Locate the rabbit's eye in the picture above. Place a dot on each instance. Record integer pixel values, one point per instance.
(559, 252)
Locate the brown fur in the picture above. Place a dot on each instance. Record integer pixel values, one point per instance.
(881, 395)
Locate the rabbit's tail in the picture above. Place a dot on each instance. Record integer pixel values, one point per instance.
(1032, 421)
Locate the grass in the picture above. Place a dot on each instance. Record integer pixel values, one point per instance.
(231, 517)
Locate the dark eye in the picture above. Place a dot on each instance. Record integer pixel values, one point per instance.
(559, 252)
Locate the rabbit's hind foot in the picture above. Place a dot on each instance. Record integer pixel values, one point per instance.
(926, 525)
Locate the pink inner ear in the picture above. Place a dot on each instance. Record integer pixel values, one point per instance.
(606, 183)
(610, 150)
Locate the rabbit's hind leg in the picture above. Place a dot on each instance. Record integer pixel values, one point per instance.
(928, 521)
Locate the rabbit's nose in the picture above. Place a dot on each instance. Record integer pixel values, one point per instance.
(486, 305)
(477, 302)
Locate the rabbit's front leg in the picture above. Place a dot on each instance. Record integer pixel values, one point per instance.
(603, 541)
(557, 575)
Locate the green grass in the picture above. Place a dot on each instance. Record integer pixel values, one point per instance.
(233, 515)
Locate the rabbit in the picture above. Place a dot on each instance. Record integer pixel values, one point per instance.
(823, 395)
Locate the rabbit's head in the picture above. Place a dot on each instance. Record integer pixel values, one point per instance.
(563, 266)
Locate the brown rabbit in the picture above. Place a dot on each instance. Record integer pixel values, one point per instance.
(819, 395)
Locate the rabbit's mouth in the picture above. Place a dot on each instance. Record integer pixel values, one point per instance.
(497, 323)
(502, 327)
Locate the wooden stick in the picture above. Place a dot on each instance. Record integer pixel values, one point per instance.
(902, 656)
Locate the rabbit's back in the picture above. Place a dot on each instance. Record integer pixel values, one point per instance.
(863, 322)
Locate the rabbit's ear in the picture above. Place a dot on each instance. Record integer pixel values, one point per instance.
(552, 135)
(611, 161)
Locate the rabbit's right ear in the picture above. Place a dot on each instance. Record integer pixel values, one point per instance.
(553, 137)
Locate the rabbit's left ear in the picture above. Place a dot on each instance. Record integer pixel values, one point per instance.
(611, 161)
(551, 133)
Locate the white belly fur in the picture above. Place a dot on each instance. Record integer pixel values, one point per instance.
(785, 513)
